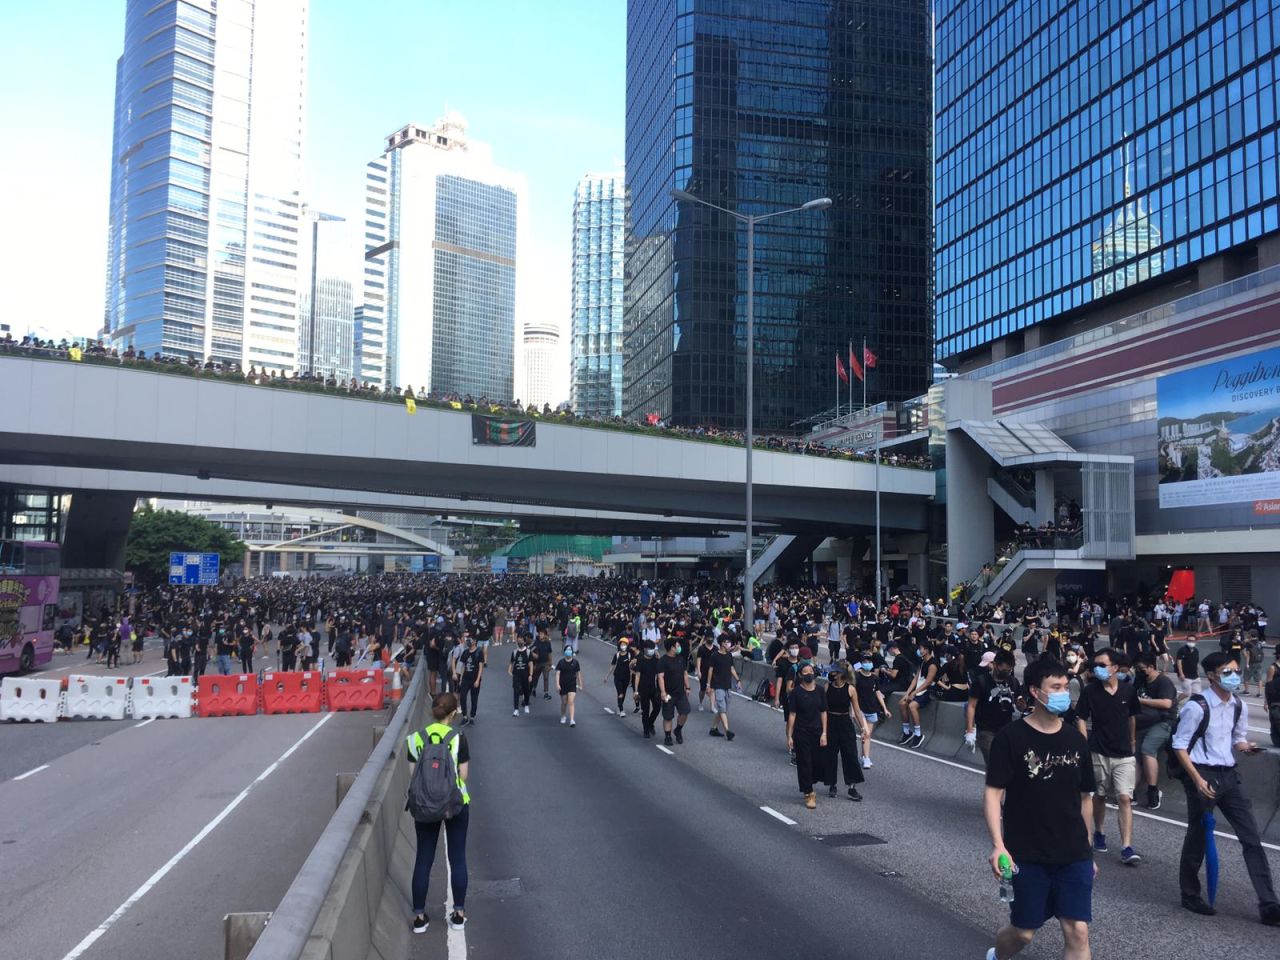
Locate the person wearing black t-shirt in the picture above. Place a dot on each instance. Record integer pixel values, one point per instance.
(467, 674)
(673, 687)
(1157, 711)
(1037, 803)
(993, 700)
(1271, 693)
(620, 673)
(520, 669)
(870, 700)
(721, 678)
(706, 650)
(1187, 663)
(1112, 705)
(807, 731)
(569, 682)
(647, 669)
(542, 662)
(844, 720)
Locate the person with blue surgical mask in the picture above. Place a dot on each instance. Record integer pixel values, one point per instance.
(1110, 708)
(1037, 804)
(1211, 729)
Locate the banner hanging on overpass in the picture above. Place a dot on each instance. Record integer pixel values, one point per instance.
(496, 432)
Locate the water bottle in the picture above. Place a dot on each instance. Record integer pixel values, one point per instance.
(1006, 878)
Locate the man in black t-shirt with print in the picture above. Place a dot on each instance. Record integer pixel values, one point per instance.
(1037, 803)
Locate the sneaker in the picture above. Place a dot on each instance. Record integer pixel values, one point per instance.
(564, 720)
(457, 920)
(866, 763)
(637, 709)
(1130, 855)
(831, 791)
(679, 735)
(906, 739)
(1099, 842)
(853, 793)
(573, 723)
(526, 708)
(648, 734)
(917, 741)
(515, 713)
(715, 732)
(546, 696)
(811, 801)
(1154, 796)
(420, 923)
(729, 735)
(991, 954)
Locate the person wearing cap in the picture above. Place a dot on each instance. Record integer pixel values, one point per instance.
(620, 670)
(807, 731)
(844, 720)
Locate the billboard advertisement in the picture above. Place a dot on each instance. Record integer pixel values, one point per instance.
(1219, 432)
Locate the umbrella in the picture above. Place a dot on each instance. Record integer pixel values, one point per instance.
(1210, 857)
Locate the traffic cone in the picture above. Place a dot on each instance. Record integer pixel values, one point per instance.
(396, 691)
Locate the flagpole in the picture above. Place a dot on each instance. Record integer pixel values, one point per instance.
(866, 372)
(851, 378)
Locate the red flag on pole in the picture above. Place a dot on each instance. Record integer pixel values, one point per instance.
(854, 365)
(868, 358)
(841, 372)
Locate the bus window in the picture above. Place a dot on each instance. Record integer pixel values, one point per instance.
(11, 557)
(50, 615)
(43, 561)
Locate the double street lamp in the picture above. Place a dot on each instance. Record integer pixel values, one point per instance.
(748, 601)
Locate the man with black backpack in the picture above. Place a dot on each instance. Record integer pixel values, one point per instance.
(1209, 727)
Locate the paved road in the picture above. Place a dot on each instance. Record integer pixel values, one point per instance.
(621, 849)
(86, 840)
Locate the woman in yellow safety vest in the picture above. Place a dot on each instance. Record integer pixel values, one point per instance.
(445, 711)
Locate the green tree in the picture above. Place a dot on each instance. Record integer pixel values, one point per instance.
(154, 534)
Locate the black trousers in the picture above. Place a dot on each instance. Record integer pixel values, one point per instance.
(521, 687)
(288, 661)
(620, 685)
(1233, 804)
(809, 758)
(650, 707)
(466, 690)
(842, 747)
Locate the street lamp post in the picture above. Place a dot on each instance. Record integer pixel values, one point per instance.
(821, 203)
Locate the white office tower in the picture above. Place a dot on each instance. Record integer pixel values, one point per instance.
(599, 249)
(326, 336)
(545, 376)
(442, 226)
(206, 175)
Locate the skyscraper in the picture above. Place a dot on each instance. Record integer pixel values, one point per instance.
(756, 107)
(206, 170)
(544, 374)
(599, 246)
(1095, 160)
(329, 257)
(441, 242)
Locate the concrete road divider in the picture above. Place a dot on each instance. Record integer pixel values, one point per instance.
(354, 689)
(231, 695)
(22, 698)
(292, 692)
(154, 697)
(96, 698)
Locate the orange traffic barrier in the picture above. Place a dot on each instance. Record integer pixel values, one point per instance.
(293, 691)
(235, 695)
(397, 692)
(353, 689)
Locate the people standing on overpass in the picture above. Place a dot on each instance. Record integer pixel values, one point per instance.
(673, 688)
(722, 677)
(1037, 802)
(1111, 703)
(1211, 728)
(468, 672)
(569, 682)
(807, 732)
(844, 720)
(444, 711)
(520, 669)
(993, 698)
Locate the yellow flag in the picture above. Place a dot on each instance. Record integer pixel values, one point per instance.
(455, 404)
(76, 354)
(410, 405)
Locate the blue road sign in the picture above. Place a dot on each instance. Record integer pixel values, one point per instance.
(194, 569)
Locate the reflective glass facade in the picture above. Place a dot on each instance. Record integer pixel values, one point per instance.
(599, 244)
(203, 241)
(1085, 147)
(759, 105)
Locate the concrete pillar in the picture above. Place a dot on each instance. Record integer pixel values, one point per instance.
(1033, 337)
(1044, 496)
(971, 538)
(97, 529)
(1268, 252)
(241, 931)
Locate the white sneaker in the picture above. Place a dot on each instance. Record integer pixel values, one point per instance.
(515, 713)
(564, 720)
(526, 709)
(991, 954)
(866, 762)
(573, 723)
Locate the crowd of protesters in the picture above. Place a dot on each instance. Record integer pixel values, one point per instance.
(96, 351)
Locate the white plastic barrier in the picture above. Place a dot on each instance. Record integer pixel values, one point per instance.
(160, 697)
(96, 698)
(22, 698)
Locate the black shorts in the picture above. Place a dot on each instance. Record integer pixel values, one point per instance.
(565, 691)
(679, 703)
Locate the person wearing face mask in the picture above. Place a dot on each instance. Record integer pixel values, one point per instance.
(1111, 707)
(569, 682)
(866, 689)
(844, 720)
(673, 688)
(807, 731)
(1037, 801)
(647, 671)
(993, 700)
(520, 669)
(918, 695)
(620, 672)
(786, 665)
(1212, 727)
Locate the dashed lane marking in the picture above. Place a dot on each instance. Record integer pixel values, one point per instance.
(669, 753)
(32, 772)
(777, 816)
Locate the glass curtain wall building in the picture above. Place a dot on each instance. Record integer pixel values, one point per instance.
(441, 238)
(543, 370)
(1096, 158)
(203, 243)
(599, 245)
(756, 106)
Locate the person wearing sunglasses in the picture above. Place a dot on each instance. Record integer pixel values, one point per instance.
(1211, 728)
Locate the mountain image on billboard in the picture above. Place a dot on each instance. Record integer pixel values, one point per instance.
(1219, 432)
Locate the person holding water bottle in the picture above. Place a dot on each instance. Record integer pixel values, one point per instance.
(1038, 803)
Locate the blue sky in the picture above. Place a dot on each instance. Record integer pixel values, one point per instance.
(542, 83)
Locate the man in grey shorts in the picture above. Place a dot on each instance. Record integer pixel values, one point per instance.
(721, 678)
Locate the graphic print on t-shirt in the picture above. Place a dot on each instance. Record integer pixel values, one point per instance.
(1043, 767)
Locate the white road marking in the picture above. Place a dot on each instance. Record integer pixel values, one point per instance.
(92, 937)
(1136, 812)
(145, 722)
(31, 773)
(777, 816)
(669, 753)
(455, 939)
(608, 709)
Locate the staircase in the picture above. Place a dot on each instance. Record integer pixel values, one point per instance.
(1009, 496)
